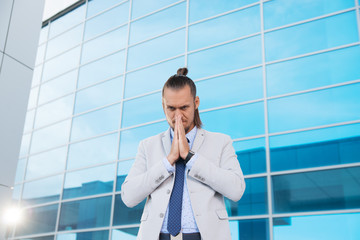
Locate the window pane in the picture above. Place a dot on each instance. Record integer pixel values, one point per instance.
(282, 12)
(89, 181)
(70, 19)
(253, 229)
(224, 28)
(95, 123)
(313, 36)
(200, 9)
(153, 110)
(54, 111)
(329, 226)
(46, 163)
(20, 170)
(317, 191)
(29, 120)
(158, 23)
(58, 87)
(34, 92)
(230, 89)
(171, 45)
(322, 147)
(129, 139)
(37, 75)
(43, 219)
(25, 144)
(99, 95)
(89, 213)
(104, 45)
(151, 78)
(233, 121)
(125, 233)
(43, 34)
(141, 7)
(16, 193)
(251, 155)
(102, 69)
(64, 41)
(96, 6)
(41, 191)
(312, 109)
(253, 202)
(98, 235)
(94, 151)
(40, 54)
(321, 69)
(123, 170)
(55, 135)
(61, 64)
(107, 20)
(235, 55)
(124, 215)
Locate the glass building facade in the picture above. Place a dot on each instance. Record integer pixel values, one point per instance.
(281, 77)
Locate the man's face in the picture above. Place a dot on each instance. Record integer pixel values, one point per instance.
(180, 102)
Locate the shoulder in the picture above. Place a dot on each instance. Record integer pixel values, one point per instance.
(153, 139)
(215, 135)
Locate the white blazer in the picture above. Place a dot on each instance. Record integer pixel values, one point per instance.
(216, 173)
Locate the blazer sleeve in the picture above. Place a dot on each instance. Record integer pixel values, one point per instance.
(226, 177)
(142, 179)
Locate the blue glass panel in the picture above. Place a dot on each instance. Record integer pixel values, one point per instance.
(224, 28)
(200, 9)
(107, 20)
(322, 147)
(96, 6)
(171, 45)
(151, 78)
(102, 69)
(41, 191)
(321, 69)
(229, 89)
(16, 193)
(25, 144)
(123, 170)
(330, 227)
(46, 163)
(141, 7)
(36, 75)
(253, 202)
(104, 45)
(49, 137)
(312, 109)
(40, 54)
(64, 41)
(99, 95)
(54, 111)
(251, 155)
(158, 23)
(98, 235)
(34, 92)
(125, 233)
(94, 151)
(317, 191)
(43, 34)
(129, 139)
(43, 220)
(61, 64)
(20, 170)
(153, 110)
(29, 120)
(89, 213)
(233, 121)
(312, 36)
(58, 87)
(124, 215)
(253, 229)
(282, 12)
(96, 122)
(89, 181)
(235, 55)
(65, 22)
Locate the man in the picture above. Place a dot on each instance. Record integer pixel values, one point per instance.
(184, 173)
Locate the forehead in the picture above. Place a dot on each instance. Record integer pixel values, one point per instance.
(177, 97)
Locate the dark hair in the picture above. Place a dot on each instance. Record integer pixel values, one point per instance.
(179, 81)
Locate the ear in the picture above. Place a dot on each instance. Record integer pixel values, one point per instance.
(197, 102)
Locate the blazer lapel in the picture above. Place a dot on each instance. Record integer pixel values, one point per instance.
(166, 142)
(199, 139)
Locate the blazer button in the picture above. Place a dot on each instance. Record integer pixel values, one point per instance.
(161, 215)
(168, 191)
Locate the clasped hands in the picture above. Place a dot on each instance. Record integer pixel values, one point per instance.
(179, 147)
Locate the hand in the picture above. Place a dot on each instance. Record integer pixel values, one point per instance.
(174, 152)
(183, 143)
(179, 146)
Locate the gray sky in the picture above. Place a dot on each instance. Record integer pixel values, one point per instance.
(54, 6)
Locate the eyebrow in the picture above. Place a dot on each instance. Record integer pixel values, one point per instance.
(186, 105)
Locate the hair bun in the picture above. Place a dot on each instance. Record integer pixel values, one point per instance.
(182, 71)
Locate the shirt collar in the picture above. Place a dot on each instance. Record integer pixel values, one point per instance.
(190, 135)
